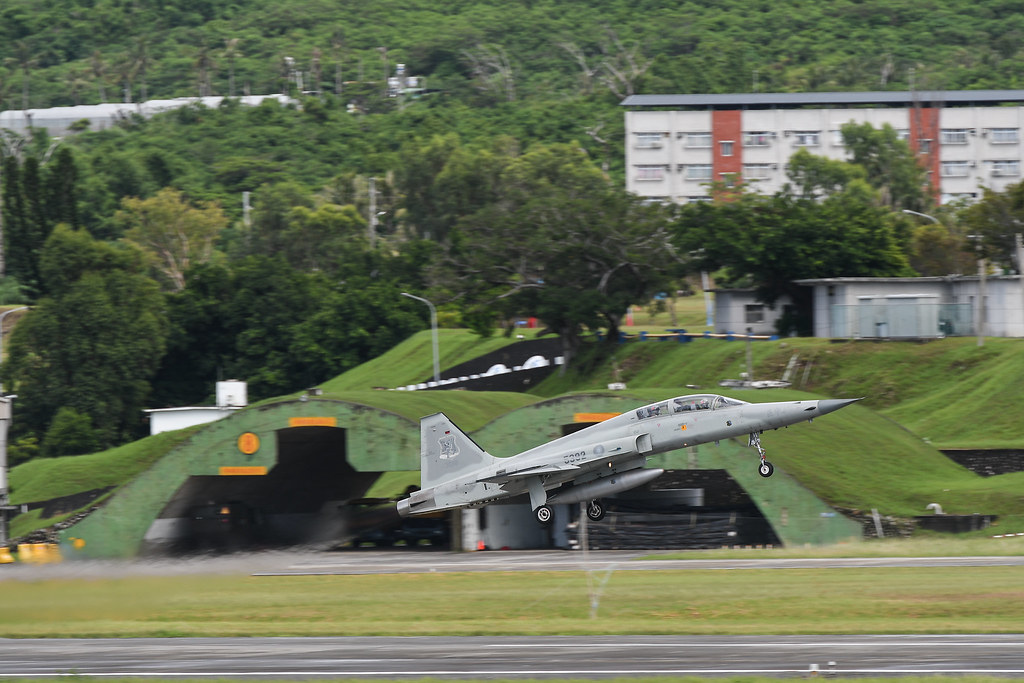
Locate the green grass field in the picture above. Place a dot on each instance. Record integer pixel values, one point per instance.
(795, 601)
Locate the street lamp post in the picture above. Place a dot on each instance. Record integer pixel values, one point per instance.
(433, 332)
(933, 219)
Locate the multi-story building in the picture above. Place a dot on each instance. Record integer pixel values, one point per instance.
(676, 145)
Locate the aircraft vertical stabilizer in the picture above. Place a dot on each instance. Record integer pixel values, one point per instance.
(446, 451)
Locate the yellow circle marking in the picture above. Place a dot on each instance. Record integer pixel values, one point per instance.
(248, 443)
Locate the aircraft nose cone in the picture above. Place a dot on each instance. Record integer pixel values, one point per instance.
(829, 405)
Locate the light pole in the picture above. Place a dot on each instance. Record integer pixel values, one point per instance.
(933, 219)
(5, 421)
(433, 332)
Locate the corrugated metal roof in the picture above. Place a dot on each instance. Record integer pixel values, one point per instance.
(782, 99)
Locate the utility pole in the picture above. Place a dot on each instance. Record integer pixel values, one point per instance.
(372, 228)
(6, 509)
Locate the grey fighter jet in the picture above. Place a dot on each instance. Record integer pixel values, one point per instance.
(601, 460)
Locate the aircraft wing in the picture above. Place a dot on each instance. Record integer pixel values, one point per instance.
(532, 471)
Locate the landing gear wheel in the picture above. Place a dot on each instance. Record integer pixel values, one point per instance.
(544, 515)
(766, 469)
(595, 511)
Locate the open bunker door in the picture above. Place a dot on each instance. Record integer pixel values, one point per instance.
(301, 500)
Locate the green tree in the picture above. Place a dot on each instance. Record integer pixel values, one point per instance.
(561, 243)
(272, 208)
(62, 191)
(70, 433)
(994, 221)
(321, 238)
(172, 232)
(890, 165)
(769, 242)
(93, 343)
(813, 176)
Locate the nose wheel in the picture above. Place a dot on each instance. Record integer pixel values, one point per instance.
(595, 511)
(765, 469)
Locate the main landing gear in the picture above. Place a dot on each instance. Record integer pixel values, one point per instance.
(765, 469)
(545, 515)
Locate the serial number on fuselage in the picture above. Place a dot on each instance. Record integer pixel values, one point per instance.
(574, 457)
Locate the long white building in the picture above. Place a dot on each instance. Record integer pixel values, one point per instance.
(676, 145)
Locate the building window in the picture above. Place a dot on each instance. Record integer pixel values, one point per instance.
(757, 138)
(696, 199)
(754, 313)
(698, 172)
(726, 146)
(954, 136)
(1006, 168)
(968, 197)
(649, 140)
(754, 171)
(1003, 136)
(698, 140)
(903, 134)
(650, 172)
(837, 137)
(807, 138)
(956, 169)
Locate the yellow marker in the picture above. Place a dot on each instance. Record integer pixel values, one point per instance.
(313, 422)
(242, 470)
(593, 417)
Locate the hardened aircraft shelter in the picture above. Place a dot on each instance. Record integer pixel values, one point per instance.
(306, 470)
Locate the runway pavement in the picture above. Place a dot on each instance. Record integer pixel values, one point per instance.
(517, 657)
(382, 562)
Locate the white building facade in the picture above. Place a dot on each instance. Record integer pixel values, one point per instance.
(676, 145)
(917, 307)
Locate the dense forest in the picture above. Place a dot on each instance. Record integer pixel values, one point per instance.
(67, 51)
(271, 243)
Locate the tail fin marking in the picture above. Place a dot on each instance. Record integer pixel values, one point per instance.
(446, 451)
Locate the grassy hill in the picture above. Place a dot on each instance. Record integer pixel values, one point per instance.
(881, 453)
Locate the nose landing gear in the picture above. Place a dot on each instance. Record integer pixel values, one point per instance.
(765, 469)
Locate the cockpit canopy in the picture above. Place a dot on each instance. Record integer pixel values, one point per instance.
(687, 403)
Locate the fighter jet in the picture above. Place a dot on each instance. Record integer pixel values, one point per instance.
(600, 460)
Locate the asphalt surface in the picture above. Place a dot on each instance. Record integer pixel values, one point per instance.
(364, 561)
(517, 657)
(381, 562)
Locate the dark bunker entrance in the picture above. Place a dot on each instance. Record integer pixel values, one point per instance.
(302, 500)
